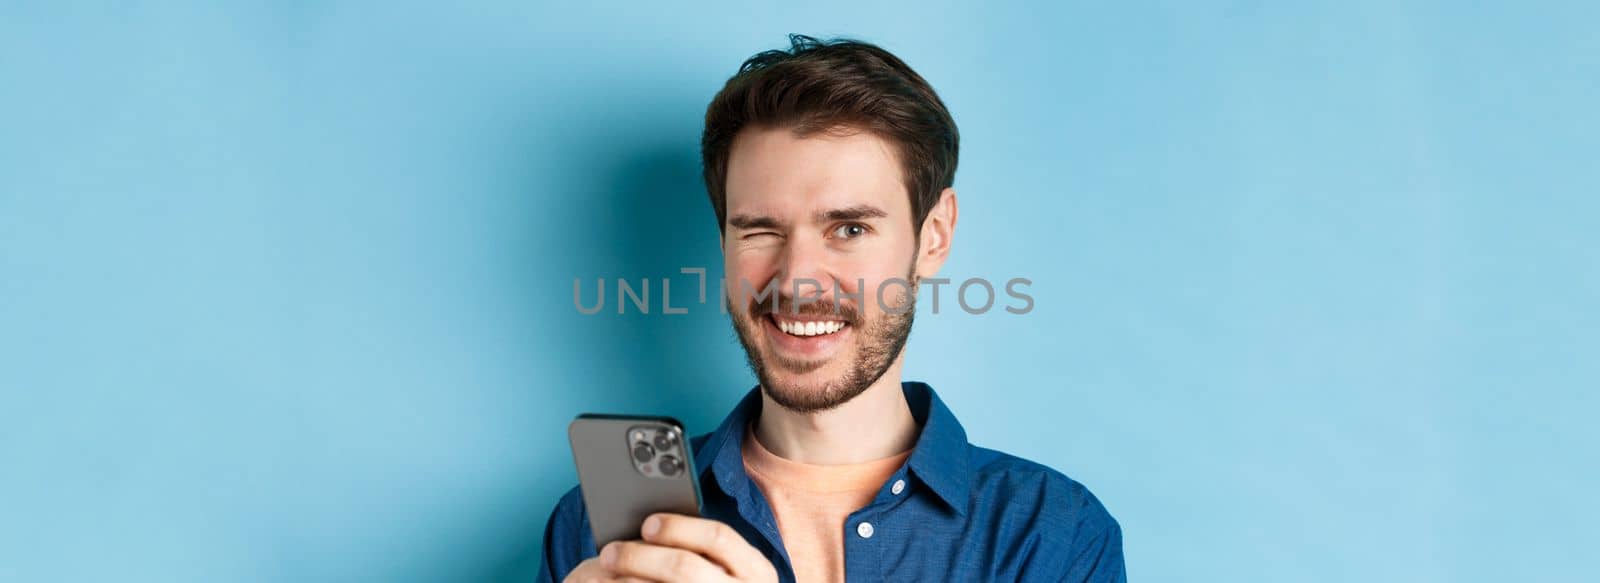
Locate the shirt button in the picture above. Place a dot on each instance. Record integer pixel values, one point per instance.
(864, 529)
(898, 487)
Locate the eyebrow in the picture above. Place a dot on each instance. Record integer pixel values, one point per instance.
(854, 213)
(752, 222)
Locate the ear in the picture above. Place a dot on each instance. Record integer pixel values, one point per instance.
(933, 246)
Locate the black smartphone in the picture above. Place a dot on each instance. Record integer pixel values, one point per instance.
(630, 467)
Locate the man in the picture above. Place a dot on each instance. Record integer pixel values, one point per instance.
(830, 166)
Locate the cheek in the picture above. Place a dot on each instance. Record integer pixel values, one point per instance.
(867, 277)
(752, 266)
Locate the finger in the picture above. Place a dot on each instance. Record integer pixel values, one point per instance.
(591, 571)
(660, 563)
(711, 538)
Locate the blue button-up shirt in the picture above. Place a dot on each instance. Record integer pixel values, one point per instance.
(961, 513)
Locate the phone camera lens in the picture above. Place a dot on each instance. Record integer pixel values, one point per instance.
(642, 452)
(665, 440)
(669, 466)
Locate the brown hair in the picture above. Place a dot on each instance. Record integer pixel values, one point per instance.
(821, 86)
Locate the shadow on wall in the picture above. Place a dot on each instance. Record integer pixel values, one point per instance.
(660, 222)
(642, 213)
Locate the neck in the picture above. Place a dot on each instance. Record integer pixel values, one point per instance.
(875, 424)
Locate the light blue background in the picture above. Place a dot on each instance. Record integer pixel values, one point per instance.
(285, 291)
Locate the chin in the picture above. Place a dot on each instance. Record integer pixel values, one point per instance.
(817, 390)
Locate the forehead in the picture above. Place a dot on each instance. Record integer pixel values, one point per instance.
(772, 171)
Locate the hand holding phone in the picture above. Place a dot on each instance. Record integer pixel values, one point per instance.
(634, 468)
(630, 467)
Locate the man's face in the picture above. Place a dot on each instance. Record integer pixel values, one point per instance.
(827, 214)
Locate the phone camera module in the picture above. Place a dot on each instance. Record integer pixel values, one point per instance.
(657, 451)
(669, 466)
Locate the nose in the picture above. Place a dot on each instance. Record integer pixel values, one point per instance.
(803, 270)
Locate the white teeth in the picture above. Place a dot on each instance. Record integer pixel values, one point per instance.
(810, 328)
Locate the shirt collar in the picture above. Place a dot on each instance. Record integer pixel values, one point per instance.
(940, 458)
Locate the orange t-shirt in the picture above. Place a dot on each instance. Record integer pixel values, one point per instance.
(811, 503)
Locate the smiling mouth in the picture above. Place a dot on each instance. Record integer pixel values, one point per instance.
(807, 328)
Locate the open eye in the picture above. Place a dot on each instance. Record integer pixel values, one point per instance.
(850, 231)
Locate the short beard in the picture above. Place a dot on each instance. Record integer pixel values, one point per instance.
(878, 344)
